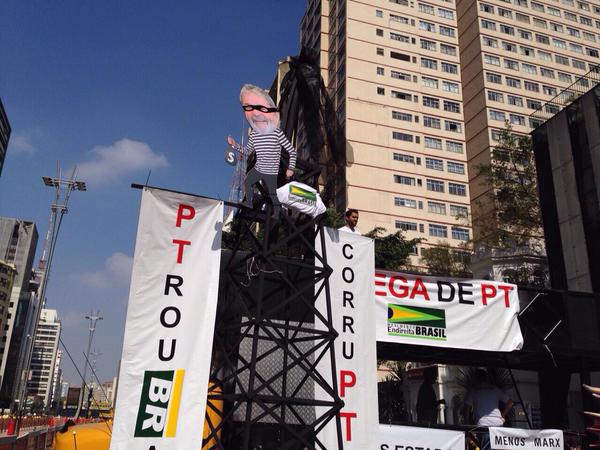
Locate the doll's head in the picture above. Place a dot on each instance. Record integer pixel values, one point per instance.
(259, 108)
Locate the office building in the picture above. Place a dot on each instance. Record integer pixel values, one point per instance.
(4, 135)
(18, 240)
(44, 359)
(423, 89)
(517, 56)
(8, 273)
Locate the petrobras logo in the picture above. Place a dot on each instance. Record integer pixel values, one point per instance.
(302, 195)
(159, 404)
(416, 322)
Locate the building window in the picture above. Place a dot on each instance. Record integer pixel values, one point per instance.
(429, 63)
(399, 37)
(546, 72)
(400, 75)
(406, 226)
(459, 211)
(490, 59)
(507, 30)
(434, 164)
(522, 18)
(449, 68)
(525, 35)
(379, 32)
(509, 47)
(529, 68)
(585, 21)
(457, 189)
(542, 39)
(405, 202)
(451, 106)
(513, 82)
(452, 126)
(436, 208)
(378, 13)
(511, 64)
(497, 115)
(454, 147)
(484, 7)
(454, 167)
(540, 23)
(515, 101)
(461, 234)
(431, 122)
(489, 42)
(401, 95)
(428, 45)
(591, 52)
(435, 185)
(576, 48)
(565, 77)
(549, 90)
(404, 158)
(578, 64)
(533, 104)
(379, 51)
(426, 26)
(495, 96)
(493, 78)
(449, 86)
(405, 117)
(397, 18)
(505, 13)
(401, 179)
(446, 13)
(431, 102)
(516, 119)
(488, 25)
(380, 90)
(380, 71)
(433, 143)
(537, 7)
(427, 9)
(544, 56)
(447, 31)
(531, 86)
(429, 82)
(438, 230)
(448, 49)
(402, 136)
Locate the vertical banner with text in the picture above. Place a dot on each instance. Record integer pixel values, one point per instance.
(165, 365)
(352, 259)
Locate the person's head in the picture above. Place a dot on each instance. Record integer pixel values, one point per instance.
(351, 218)
(259, 108)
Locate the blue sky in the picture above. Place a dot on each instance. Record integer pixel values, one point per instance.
(118, 89)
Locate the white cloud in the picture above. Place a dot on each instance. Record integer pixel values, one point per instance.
(126, 156)
(116, 272)
(21, 143)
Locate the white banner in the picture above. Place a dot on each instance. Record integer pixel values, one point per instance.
(515, 438)
(469, 314)
(393, 437)
(352, 258)
(170, 320)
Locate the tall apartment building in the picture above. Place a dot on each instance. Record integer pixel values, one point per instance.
(517, 55)
(423, 88)
(393, 71)
(44, 356)
(8, 272)
(4, 135)
(18, 241)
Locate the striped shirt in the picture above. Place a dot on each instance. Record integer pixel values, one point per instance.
(268, 151)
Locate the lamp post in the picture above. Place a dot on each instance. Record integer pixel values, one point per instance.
(93, 318)
(62, 192)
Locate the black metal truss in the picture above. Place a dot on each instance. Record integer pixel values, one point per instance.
(270, 338)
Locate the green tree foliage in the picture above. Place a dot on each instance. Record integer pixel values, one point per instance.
(515, 198)
(392, 250)
(447, 261)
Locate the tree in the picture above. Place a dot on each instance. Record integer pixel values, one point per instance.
(392, 251)
(446, 260)
(515, 200)
(513, 224)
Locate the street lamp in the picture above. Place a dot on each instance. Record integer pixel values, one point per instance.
(93, 318)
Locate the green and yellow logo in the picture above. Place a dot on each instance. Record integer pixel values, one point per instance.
(159, 404)
(304, 195)
(416, 322)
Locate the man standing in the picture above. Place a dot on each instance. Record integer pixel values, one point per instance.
(266, 140)
(351, 219)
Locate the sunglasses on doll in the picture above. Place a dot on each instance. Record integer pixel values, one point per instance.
(261, 108)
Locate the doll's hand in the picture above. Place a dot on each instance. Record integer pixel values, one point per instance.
(231, 142)
(289, 173)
